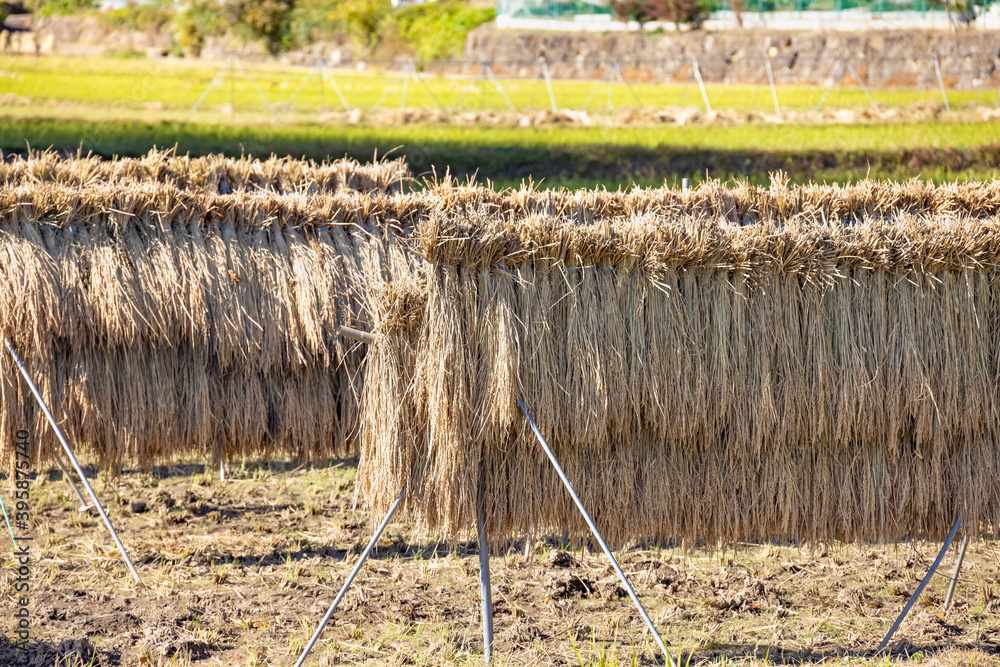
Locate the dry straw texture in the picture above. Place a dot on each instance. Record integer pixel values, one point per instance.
(158, 321)
(807, 376)
(740, 203)
(213, 173)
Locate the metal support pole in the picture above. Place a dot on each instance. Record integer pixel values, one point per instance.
(770, 79)
(920, 588)
(701, 84)
(328, 77)
(857, 77)
(72, 458)
(499, 88)
(354, 334)
(954, 575)
(612, 72)
(484, 576)
(260, 93)
(597, 534)
(222, 471)
(944, 95)
(548, 84)
(84, 505)
(212, 83)
(836, 80)
(350, 578)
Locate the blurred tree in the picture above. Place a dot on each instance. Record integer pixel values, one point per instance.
(263, 19)
(966, 10)
(192, 25)
(364, 19)
(673, 11)
(438, 29)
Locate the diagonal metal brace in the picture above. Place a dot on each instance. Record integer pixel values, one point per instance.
(350, 579)
(72, 457)
(597, 535)
(920, 588)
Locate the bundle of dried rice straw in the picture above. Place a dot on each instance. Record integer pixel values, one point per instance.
(722, 363)
(213, 173)
(158, 321)
(812, 367)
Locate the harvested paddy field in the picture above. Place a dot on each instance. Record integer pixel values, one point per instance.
(239, 573)
(121, 107)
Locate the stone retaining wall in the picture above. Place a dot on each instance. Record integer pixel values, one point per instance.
(966, 59)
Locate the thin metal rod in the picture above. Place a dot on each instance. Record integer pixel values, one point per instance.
(770, 79)
(72, 458)
(701, 84)
(401, 78)
(597, 87)
(484, 577)
(954, 575)
(621, 77)
(548, 84)
(212, 83)
(496, 82)
(944, 95)
(857, 78)
(597, 533)
(288, 104)
(836, 80)
(260, 93)
(354, 334)
(328, 77)
(920, 588)
(412, 66)
(84, 505)
(612, 77)
(350, 578)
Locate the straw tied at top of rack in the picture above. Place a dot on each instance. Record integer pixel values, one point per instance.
(159, 321)
(698, 378)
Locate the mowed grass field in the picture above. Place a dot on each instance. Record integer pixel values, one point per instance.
(175, 85)
(127, 106)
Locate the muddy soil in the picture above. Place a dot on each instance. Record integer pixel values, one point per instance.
(240, 572)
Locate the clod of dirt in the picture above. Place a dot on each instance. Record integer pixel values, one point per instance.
(138, 507)
(163, 640)
(165, 499)
(561, 559)
(650, 573)
(928, 625)
(72, 650)
(106, 625)
(752, 598)
(611, 589)
(853, 598)
(522, 633)
(52, 614)
(568, 585)
(903, 647)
